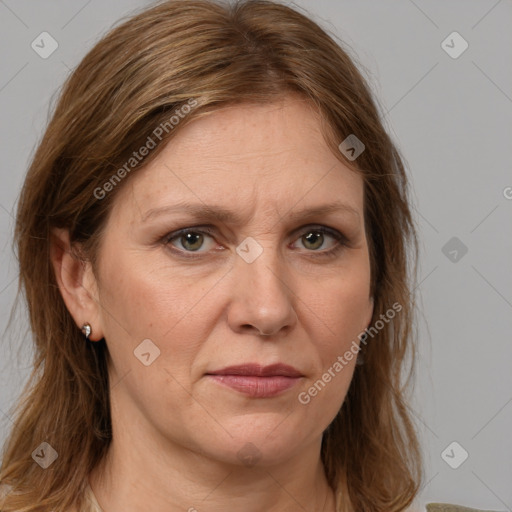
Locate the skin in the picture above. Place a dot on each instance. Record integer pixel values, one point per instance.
(177, 434)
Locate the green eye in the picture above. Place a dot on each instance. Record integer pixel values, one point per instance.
(188, 240)
(315, 238)
(192, 241)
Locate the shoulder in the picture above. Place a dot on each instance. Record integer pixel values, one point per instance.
(419, 506)
(452, 507)
(444, 507)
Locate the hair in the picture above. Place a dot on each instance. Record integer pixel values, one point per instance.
(213, 55)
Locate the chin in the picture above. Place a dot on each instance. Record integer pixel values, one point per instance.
(263, 448)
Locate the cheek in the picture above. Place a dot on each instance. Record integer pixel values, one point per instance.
(338, 309)
(337, 316)
(346, 313)
(343, 305)
(142, 301)
(146, 302)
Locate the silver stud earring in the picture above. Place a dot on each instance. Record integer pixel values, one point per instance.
(86, 329)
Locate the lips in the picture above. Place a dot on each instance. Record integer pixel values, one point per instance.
(256, 370)
(257, 381)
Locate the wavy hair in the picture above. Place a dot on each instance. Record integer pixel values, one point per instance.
(129, 83)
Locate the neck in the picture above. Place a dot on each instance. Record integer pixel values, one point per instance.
(141, 476)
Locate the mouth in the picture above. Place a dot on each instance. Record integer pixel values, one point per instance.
(257, 381)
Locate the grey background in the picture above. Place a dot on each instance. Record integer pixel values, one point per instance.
(451, 119)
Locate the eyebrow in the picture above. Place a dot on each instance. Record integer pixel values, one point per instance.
(220, 214)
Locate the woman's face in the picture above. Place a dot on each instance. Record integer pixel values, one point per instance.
(179, 308)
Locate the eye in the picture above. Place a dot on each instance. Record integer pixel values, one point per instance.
(315, 239)
(319, 241)
(189, 240)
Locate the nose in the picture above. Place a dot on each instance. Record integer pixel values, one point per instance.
(263, 302)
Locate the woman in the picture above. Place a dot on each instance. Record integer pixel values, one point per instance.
(217, 250)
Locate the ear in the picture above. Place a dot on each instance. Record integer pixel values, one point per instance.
(77, 283)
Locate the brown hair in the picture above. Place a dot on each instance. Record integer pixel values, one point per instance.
(127, 85)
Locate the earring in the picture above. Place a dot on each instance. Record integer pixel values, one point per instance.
(86, 329)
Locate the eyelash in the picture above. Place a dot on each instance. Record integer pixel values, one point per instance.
(341, 240)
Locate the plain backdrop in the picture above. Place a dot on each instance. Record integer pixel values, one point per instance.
(450, 113)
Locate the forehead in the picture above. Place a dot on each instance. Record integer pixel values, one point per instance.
(266, 156)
